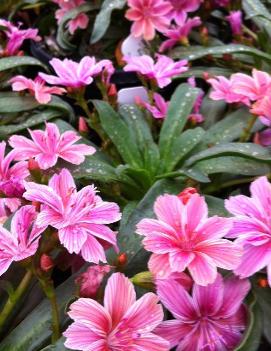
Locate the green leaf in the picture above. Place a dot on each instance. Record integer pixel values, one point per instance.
(212, 111)
(95, 169)
(233, 165)
(216, 206)
(59, 104)
(180, 106)
(33, 120)
(264, 300)
(119, 133)
(258, 13)
(13, 102)
(59, 346)
(252, 337)
(192, 173)
(18, 61)
(35, 330)
(246, 150)
(62, 34)
(184, 144)
(103, 18)
(130, 242)
(200, 70)
(197, 52)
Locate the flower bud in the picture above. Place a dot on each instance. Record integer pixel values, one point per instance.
(186, 194)
(122, 259)
(144, 280)
(46, 263)
(82, 125)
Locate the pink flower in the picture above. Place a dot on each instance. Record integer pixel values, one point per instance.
(22, 241)
(184, 237)
(80, 21)
(161, 71)
(262, 108)
(264, 137)
(160, 107)
(213, 318)
(121, 324)
(90, 281)
(73, 74)
(16, 37)
(179, 34)
(36, 87)
(80, 217)
(223, 90)
(148, 16)
(196, 116)
(251, 227)
(47, 146)
(182, 6)
(11, 181)
(255, 87)
(235, 20)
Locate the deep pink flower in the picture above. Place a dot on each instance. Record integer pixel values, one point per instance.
(161, 71)
(223, 90)
(148, 16)
(235, 20)
(22, 240)
(184, 237)
(80, 21)
(121, 324)
(16, 37)
(36, 87)
(213, 318)
(183, 6)
(47, 146)
(73, 74)
(80, 217)
(255, 87)
(251, 227)
(160, 107)
(11, 181)
(90, 281)
(179, 34)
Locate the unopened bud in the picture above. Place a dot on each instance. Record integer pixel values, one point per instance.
(82, 125)
(122, 259)
(46, 263)
(263, 283)
(186, 194)
(144, 280)
(33, 165)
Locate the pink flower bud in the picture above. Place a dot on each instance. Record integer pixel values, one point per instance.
(82, 125)
(46, 263)
(185, 195)
(33, 165)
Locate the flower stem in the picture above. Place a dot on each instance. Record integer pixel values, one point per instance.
(15, 298)
(247, 131)
(49, 291)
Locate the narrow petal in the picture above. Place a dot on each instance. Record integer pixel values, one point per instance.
(173, 331)
(92, 251)
(203, 269)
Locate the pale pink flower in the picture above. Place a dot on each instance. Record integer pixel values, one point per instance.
(183, 6)
(49, 145)
(213, 318)
(11, 181)
(148, 16)
(184, 237)
(74, 74)
(179, 34)
(121, 324)
(16, 37)
(235, 20)
(158, 109)
(89, 282)
(255, 87)
(80, 217)
(36, 87)
(161, 71)
(251, 227)
(223, 90)
(22, 239)
(80, 21)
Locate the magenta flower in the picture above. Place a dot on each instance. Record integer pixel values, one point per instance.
(161, 71)
(251, 227)
(80, 217)
(80, 21)
(121, 324)
(47, 146)
(11, 181)
(22, 241)
(184, 237)
(73, 74)
(213, 318)
(264, 137)
(36, 87)
(235, 20)
(196, 116)
(182, 6)
(90, 281)
(148, 16)
(16, 37)
(223, 90)
(160, 107)
(179, 34)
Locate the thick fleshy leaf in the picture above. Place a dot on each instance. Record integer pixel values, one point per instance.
(18, 61)
(257, 12)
